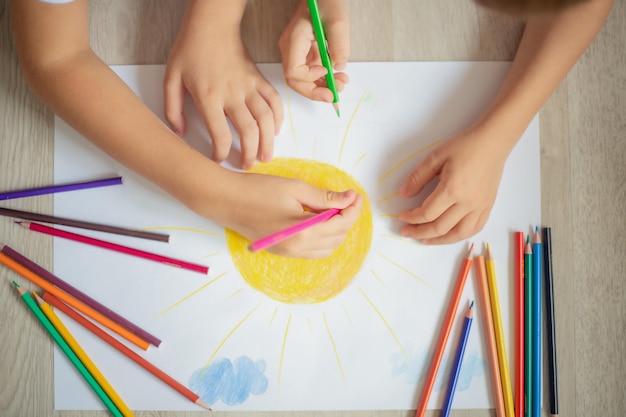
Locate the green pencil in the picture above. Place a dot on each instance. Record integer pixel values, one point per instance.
(528, 327)
(28, 299)
(320, 37)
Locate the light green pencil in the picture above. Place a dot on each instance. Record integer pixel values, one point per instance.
(320, 37)
(30, 302)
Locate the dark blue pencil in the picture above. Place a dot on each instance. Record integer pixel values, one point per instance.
(60, 188)
(458, 360)
(536, 329)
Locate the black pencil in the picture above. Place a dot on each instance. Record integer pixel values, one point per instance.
(44, 218)
(550, 323)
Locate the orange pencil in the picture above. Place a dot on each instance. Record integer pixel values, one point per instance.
(519, 324)
(125, 350)
(445, 333)
(83, 308)
(494, 367)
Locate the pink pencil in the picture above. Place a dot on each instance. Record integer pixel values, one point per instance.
(114, 247)
(281, 235)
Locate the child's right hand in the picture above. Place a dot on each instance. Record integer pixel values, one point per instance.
(302, 64)
(257, 205)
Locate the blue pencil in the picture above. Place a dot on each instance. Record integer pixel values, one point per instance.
(537, 305)
(60, 188)
(458, 360)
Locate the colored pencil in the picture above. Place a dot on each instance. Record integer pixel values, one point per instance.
(65, 348)
(458, 361)
(44, 218)
(114, 247)
(550, 322)
(320, 37)
(88, 311)
(79, 295)
(445, 333)
(60, 188)
(124, 350)
(528, 327)
(537, 323)
(83, 357)
(286, 233)
(519, 323)
(499, 331)
(490, 335)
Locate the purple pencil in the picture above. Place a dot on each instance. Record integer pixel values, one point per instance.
(60, 188)
(281, 235)
(79, 295)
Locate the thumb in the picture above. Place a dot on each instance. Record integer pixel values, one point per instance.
(320, 199)
(174, 97)
(421, 175)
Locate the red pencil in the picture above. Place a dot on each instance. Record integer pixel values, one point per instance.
(445, 333)
(114, 247)
(50, 299)
(519, 324)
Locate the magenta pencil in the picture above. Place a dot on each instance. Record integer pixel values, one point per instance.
(79, 295)
(281, 235)
(60, 188)
(114, 247)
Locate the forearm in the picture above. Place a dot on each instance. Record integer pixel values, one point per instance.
(62, 70)
(549, 48)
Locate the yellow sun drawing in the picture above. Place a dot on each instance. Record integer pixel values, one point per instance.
(305, 281)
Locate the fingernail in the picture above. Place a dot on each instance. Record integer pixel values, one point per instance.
(266, 157)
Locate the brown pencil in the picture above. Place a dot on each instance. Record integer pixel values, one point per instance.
(44, 218)
(125, 350)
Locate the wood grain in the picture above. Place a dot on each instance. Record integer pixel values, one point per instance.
(583, 150)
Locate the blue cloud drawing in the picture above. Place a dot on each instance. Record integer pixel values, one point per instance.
(231, 383)
(412, 365)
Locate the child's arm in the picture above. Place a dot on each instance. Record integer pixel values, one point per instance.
(302, 64)
(470, 164)
(53, 46)
(210, 61)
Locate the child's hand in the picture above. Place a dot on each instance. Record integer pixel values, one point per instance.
(260, 205)
(469, 167)
(302, 65)
(210, 61)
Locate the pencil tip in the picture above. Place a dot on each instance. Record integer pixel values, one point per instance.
(471, 304)
(16, 284)
(336, 107)
(203, 404)
(469, 252)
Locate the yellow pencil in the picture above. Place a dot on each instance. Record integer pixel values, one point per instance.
(84, 358)
(505, 377)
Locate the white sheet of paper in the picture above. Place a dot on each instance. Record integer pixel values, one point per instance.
(366, 348)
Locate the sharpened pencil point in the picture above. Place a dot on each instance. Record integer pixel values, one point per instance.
(471, 304)
(203, 404)
(336, 107)
(16, 284)
(469, 252)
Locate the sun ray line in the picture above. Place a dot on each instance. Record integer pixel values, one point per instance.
(236, 292)
(310, 325)
(345, 134)
(191, 294)
(389, 197)
(282, 351)
(345, 310)
(377, 277)
(388, 215)
(210, 254)
(397, 265)
(290, 116)
(273, 317)
(404, 240)
(182, 229)
(399, 164)
(358, 161)
(246, 317)
(380, 314)
(332, 342)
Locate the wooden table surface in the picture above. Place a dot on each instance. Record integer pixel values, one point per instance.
(583, 172)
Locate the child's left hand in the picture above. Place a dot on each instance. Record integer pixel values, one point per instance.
(469, 167)
(301, 60)
(210, 61)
